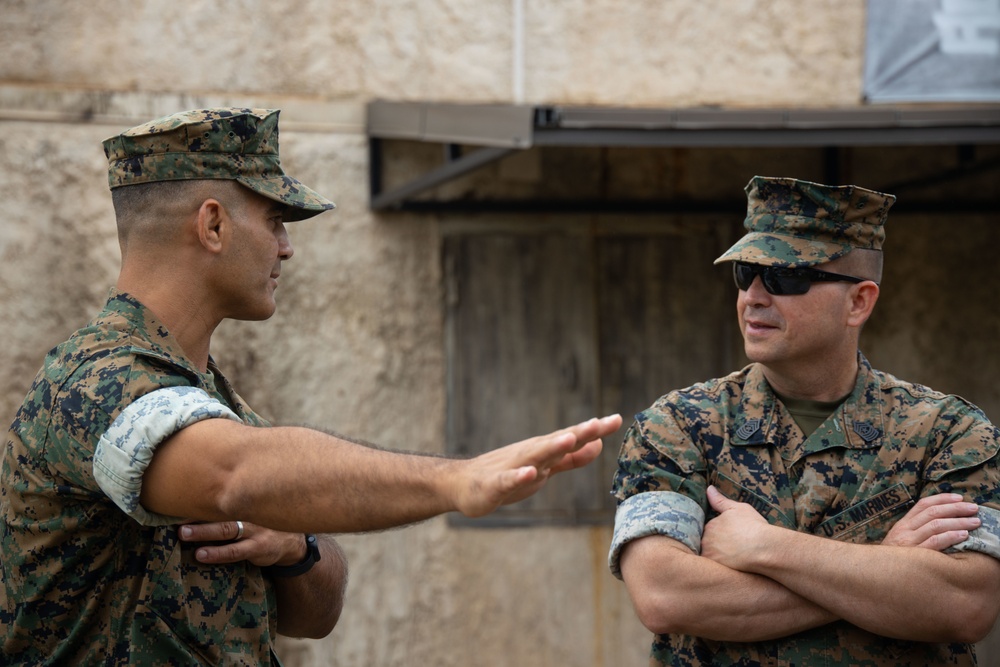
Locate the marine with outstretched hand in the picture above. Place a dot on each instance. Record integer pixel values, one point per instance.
(150, 516)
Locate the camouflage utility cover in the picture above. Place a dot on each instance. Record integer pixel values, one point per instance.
(798, 223)
(231, 144)
(889, 444)
(83, 583)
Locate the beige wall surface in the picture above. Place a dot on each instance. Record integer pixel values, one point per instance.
(357, 345)
(681, 52)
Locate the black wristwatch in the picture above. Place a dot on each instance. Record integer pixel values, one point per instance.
(303, 566)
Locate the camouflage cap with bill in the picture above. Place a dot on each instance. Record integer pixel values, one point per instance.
(226, 143)
(798, 223)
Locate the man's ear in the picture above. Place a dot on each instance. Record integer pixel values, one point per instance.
(863, 297)
(213, 223)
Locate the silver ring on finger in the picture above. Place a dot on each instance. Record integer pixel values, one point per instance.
(239, 530)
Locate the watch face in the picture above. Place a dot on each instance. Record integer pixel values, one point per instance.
(312, 548)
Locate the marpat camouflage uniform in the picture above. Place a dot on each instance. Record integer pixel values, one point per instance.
(89, 576)
(83, 582)
(889, 444)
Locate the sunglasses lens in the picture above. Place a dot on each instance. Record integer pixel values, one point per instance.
(786, 281)
(777, 280)
(744, 275)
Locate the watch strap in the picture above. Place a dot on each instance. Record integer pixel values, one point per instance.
(303, 566)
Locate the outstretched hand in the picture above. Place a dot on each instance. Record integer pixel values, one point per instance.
(515, 472)
(935, 522)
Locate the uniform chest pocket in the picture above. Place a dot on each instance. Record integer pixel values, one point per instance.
(869, 520)
(756, 497)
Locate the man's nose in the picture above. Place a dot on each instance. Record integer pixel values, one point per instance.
(285, 250)
(756, 293)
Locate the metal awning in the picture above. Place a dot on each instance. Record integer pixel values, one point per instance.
(474, 135)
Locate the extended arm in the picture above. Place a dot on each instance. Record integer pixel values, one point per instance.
(300, 480)
(895, 591)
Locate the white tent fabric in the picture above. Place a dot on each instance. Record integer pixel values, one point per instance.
(933, 51)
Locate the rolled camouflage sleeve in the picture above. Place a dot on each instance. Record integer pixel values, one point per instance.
(127, 447)
(656, 513)
(969, 463)
(986, 538)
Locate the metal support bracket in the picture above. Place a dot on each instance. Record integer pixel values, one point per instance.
(456, 164)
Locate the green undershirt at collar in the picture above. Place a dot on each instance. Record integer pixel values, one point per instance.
(808, 415)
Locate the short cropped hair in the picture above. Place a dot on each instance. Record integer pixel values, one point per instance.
(148, 209)
(861, 262)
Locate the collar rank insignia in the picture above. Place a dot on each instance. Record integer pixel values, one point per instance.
(867, 432)
(748, 428)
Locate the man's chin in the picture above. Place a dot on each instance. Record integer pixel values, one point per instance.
(757, 353)
(255, 315)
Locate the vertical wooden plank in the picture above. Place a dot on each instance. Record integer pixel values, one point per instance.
(548, 329)
(666, 321)
(521, 351)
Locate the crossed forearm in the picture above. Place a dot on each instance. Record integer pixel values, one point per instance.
(891, 591)
(895, 591)
(678, 592)
(753, 581)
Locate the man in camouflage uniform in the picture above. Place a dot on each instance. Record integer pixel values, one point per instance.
(809, 510)
(148, 517)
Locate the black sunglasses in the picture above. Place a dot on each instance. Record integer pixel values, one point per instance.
(781, 280)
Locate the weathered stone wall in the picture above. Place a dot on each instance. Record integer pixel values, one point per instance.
(357, 344)
(678, 53)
